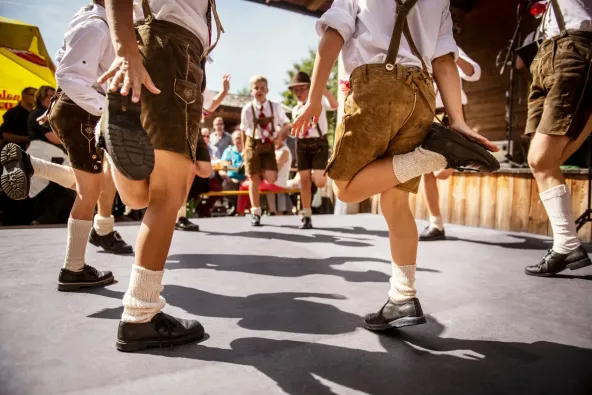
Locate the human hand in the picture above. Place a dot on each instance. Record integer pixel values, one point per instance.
(466, 131)
(226, 82)
(311, 111)
(127, 72)
(43, 118)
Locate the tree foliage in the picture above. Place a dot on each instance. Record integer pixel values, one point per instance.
(307, 65)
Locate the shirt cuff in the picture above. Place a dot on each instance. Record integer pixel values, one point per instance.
(339, 20)
(446, 45)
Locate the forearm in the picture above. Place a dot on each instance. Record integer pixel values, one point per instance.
(121, 22)
(327, 54)
(53, 138)
(285, 130)
(333, 103)
(446, 76)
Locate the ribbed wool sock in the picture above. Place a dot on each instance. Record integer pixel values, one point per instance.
(78, 231)
(142, 301)
(306, 212)
(256, 211)
(104, 225)
(402, 283)
(60, 174)
(436, 222)
(557, 202)
(417, 163)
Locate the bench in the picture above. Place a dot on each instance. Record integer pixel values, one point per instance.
(239, 193)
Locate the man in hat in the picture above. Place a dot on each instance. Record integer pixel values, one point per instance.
(312, 146)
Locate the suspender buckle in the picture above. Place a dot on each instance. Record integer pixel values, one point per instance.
(389, 67)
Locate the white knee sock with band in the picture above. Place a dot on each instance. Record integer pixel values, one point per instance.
(557, 202)
(417, 163)
(402, 283)
(60, 174)
(256, 211)
(142, 301)
(78, 231)
(104, 225)
(306, 212)
(436, 222)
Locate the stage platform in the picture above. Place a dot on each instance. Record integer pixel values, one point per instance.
(283, 310)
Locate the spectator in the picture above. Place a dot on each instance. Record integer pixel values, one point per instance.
(219, 139)
(37, 130)
(15, 128)
(232, 155)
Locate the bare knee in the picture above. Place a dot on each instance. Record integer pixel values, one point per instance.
(271, 176)
(167, 197)
(538, 162)
(320, 181)
(305, 180)
(342, 193)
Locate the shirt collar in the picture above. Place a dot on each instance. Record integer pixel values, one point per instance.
(258, 105)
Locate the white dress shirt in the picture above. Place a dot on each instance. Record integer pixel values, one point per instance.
(471, 78)
(576, 13)
(323, 124)
(190, 14)
(367, 25)
(85, 55)
(247, 125)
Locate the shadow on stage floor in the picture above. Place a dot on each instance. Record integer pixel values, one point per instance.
(280, 266)
(414, 361)
(281, 312)
(296, 238)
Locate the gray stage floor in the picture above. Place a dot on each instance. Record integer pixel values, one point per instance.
(283, 311)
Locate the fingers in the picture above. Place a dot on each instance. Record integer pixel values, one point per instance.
(150, 85)
(108, 74)
(116, 81)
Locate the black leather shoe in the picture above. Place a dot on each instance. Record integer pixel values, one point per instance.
(86, 278)
(306, 223)
(256, 220)
(395, 315)
(162, 331)
(461, 153)
(17, 173)
(554, 262)
(111, 242)
(184, 224)
(431, 233)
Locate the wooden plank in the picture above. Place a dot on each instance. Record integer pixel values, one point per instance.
(473, 199)
(445, 192)
(579, 201)
(520, 202)
(488, 201)
(459, 196)
(538, 221)
(503, 200)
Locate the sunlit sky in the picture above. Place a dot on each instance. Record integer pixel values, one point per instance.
(258, 39)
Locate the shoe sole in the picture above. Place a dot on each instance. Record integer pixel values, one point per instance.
(143, 345)
(14, 180)
(399, 323)
(187, 230)
(432, 238)
(493, 164)
(126, 141)
(572, 266)
(68, 287)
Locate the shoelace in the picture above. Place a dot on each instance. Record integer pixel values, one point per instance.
(92, 270)
(168, 325)
(117, 236)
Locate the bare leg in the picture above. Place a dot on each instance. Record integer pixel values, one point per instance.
(401, 225)
(319, 178)
(305, 189)
(108, 191)
(254, 190)
(430, 194)
(271, 206)
(88, 192)
(134, 194)
(375, 178)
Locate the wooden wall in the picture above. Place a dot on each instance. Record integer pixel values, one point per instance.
(504, 201)
(485, 30)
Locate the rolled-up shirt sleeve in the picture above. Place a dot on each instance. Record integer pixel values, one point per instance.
(77, 72)
(476, 68)
(341, 17)
(446, 43)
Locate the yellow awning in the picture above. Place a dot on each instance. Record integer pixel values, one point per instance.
(24, 62)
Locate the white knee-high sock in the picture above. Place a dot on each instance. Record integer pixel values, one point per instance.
(417, 163)
(557, 202)
(142, 301)
(402, 283)
(78, 231)
(256, 211)
(60, 174)
(104, 225)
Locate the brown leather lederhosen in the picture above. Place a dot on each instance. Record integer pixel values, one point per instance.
(259, 155)
(75, 128)
(312, 152)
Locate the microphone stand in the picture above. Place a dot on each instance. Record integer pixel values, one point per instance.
(510, 61)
